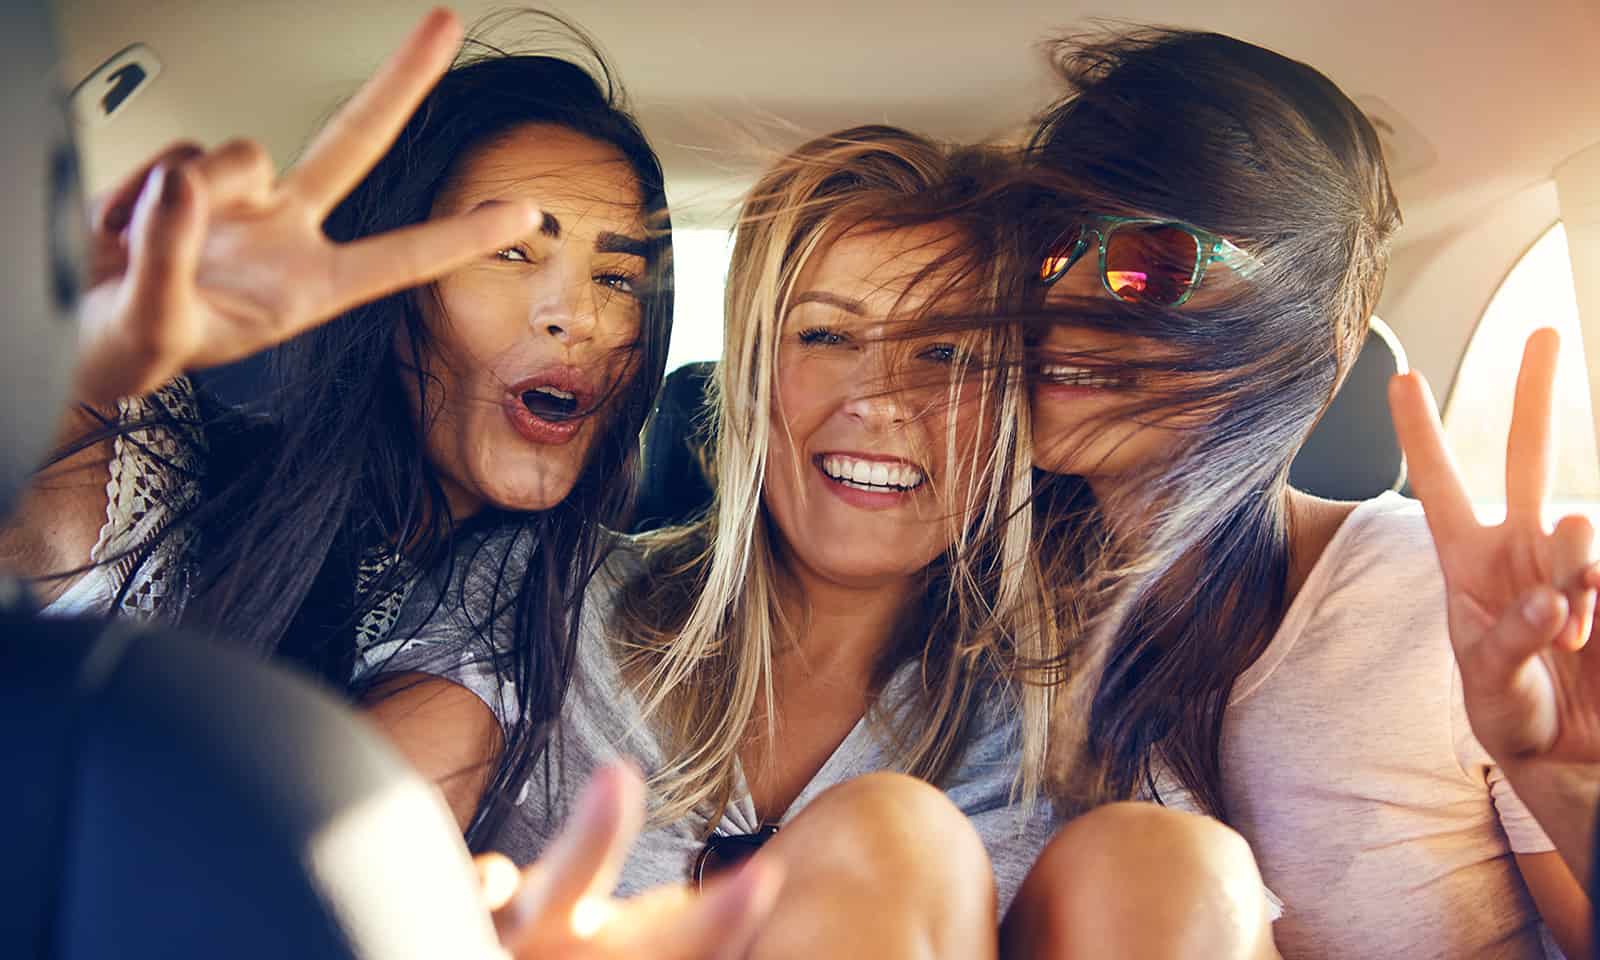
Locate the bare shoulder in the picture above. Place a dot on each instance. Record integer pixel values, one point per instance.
(443, 729)
(58, 521)
(1313, 523)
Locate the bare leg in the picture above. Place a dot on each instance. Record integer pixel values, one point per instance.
(1138, 881)
(882, 867)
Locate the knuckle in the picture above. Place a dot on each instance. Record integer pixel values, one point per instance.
(245, 155)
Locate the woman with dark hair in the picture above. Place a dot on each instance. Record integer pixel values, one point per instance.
(1279, 662)
(505, 396)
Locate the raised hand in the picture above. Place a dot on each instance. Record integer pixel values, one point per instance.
(560, 907)
(1521, 595)
(203, 258)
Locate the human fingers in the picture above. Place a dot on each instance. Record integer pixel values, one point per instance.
(140, 336)
(584, 860)
(375, 266)
(1528, 443)
(1429, 466)
(112, 211)
(365, 127)
(724, 921)
(1570, 558)
(239, 171)
(1525, 628)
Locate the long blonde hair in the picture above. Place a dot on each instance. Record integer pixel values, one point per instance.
(697, 632)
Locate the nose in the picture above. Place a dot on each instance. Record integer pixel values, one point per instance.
(564, 303)
(875, 401)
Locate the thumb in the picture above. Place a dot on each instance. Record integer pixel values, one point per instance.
(1526, 627)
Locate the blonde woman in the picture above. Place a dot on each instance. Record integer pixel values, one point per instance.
(818, 667)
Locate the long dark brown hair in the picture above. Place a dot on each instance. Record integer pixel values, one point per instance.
(1178, 586)
(292, 499)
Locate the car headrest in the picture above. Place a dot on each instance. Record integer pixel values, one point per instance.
(175, 798)
(1353, 452)
(673, 486)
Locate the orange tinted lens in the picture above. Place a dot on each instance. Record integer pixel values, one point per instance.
(1151, 263)
(1063, 253)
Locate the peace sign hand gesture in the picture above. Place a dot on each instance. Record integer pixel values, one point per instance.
(1521, 606)
(203, 258)
(1521, 597)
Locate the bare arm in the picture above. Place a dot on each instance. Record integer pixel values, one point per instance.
(446, 732)
(1562, 903)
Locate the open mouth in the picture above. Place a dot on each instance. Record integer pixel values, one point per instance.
(1070, 375)
(873, 476)
(551, 407)
(551, 403)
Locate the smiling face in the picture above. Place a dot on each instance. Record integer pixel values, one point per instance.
(531, 346)
(1091, 413)
(860, 480)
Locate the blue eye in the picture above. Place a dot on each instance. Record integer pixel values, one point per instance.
(945, 353)
(817, 336)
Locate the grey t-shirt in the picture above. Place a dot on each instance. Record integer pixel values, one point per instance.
(601, 720)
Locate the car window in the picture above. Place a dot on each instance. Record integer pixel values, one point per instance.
(1538, 292)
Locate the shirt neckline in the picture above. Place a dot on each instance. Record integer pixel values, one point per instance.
(1306, 602)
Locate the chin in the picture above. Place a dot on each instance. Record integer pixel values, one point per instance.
(524, 484)
(862, 563)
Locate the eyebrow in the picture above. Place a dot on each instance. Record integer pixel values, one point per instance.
(608, 242)
(550, 226)
(830, 299)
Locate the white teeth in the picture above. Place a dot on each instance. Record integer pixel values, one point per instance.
(874, 475)
(554, 392)
(1069, 375)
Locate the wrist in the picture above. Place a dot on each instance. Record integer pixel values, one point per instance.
(1563, 797)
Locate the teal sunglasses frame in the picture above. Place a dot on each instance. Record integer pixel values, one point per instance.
(1208, 249)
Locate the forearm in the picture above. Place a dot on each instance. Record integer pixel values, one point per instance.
(1563, 798)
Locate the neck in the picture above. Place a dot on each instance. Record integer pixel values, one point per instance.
(463, 505)
(1312, 523)
(843, 629)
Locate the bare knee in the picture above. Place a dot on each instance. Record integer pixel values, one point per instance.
(898, 851)
(1139, 880)
(888, 822)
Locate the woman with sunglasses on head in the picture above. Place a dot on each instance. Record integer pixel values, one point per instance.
(503, 396)
(1280, 662)
(818, 669)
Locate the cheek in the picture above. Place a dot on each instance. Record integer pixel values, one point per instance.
(621, 321)
(960, 437)
(806, 391)
(477, 318)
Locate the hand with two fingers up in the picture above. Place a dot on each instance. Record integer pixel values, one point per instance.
(204, 257)
(1521, 597)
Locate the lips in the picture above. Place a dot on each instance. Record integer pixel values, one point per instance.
(869, 481)
(550, 406)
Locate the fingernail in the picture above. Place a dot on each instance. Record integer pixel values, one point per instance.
(171, 187)
(1538, 608)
